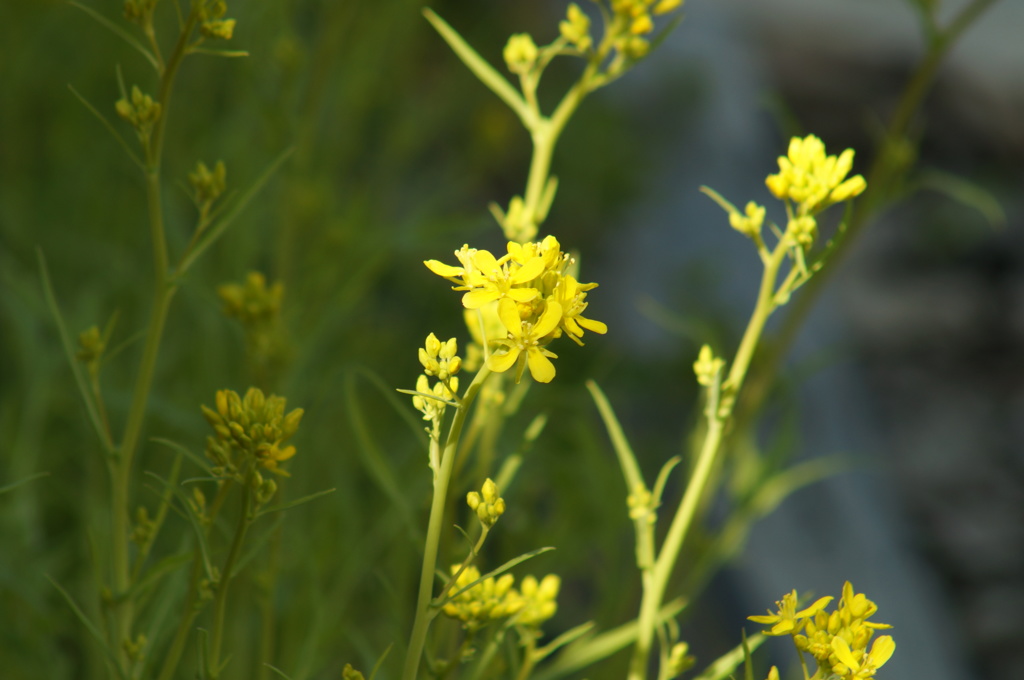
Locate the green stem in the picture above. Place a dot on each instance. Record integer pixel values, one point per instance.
(719, 411)
(221, 599)
(418, 638)
(121, 464)
(881, 177)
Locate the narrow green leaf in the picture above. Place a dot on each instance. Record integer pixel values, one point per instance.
(724, 665)
(627, 459)
(278, 671)
(191, 516)
(21, 482)
(588, 650)
(380, 660)
(201, 463)
(966, 192)
(496, 572)
(562, 640)
(69, 353)
(215, 232)
(231, 54)
(110, 128)
(119, 32)
(89, 626)
(292, 504)
(480, 68)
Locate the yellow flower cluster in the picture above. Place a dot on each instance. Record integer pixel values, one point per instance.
(208, 185)
(533, 296)
(486, 503)
(438, 359)
(487, 601)
(139, 109)
(634, 16)
(250, 430)
(252, 303)
(494, 599)
(212, 24)
(813, 180)
(838, 640)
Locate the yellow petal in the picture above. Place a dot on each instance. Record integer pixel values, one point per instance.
(499, 363)
(475, 299)
(533, 268)
(541, 367)
(843, 653)
(591, 325)
(882, 650)
(548, 320)
(508, 312)
(442, 269)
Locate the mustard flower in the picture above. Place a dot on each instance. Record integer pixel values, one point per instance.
(539, 600)
(524, 342)
(813, 180)
(787, 620)
(856, 665)
(487, 601)
(486, 503)
(571, 296)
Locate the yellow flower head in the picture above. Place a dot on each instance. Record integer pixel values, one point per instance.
(487, 504)
(254, 427)
(487, 601)
(857, 665)
(787, 620)
(812, 179)
(525, 299)
(525, 343)
(539, 600)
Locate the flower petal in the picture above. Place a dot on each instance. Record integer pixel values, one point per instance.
(508, 312)
(541, 367)
(499, 363)
(548, 320)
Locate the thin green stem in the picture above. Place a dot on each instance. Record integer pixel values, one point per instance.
(121, 464)
(442, 478)
(719, 411)
(221, 599)
(881, 177)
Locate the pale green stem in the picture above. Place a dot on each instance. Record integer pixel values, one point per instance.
(442, 478)
(121, 464)
(221, 599)
(655, 580)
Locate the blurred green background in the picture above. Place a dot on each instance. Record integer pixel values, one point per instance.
(398, 150)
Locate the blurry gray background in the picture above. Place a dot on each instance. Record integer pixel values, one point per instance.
(919, 338)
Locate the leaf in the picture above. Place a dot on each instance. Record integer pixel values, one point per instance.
(480, 68)
(627, 459)
(118, 31)
(724, 665)
(968, 193)
(224, 222)
(20, 482)
(193, 520)
(587, 651)
(69, 353)
(202, 463)
(292, 504)
(496, 572)
(110, 128)
(90, 626)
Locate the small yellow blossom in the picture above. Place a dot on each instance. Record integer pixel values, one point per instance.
(440, 358)
(571, 296)
(749, 223)
(707, 366)
(487, 601)
(539, 600)
(858, 665)
(520, 53)
(525, 342)
(253, 427)
(576, 28)
(813, 180)
(487, 504)
(787, 620)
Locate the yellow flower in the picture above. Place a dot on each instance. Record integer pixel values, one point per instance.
(571, 296)
(524, 341)
(856, 665)
(487, 601)
(486, 278)
(813, 180)
(788, 620)
(539, 603)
